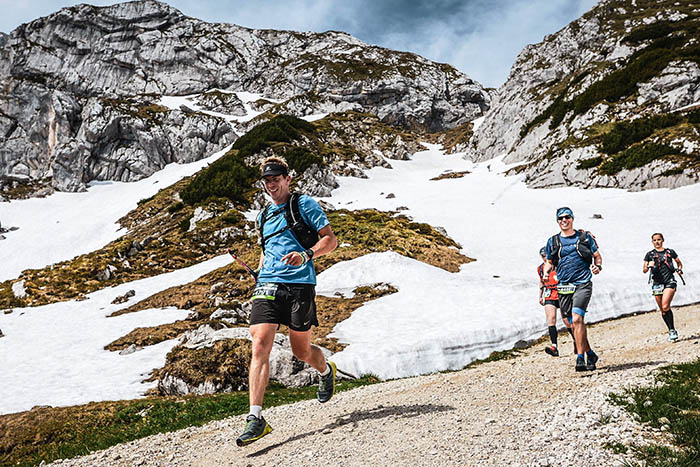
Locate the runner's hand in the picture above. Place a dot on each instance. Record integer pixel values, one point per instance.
(595, 269)
(650, 264)
(295, 258)
(541, 301)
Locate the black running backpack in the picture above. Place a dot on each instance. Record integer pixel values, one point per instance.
(583, 248)
(304, 234)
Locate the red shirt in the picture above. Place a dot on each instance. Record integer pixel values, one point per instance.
(550, 283)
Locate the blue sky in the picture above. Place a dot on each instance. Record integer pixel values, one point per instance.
(479, 37)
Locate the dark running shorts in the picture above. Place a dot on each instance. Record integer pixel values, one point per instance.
(658, 288)
(578, 299)
(293, 305)
(552, 302)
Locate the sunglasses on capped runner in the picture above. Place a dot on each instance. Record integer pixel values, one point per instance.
(564, 218)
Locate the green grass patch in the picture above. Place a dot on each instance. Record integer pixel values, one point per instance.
(672, 401)
(47, 434)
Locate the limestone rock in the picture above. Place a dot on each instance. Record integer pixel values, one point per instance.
(81, 88)
(567, 64)
(284, 367)
(19, 290)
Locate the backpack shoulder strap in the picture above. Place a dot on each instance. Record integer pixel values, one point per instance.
(293, 212)
(556, 249)
(262, 217)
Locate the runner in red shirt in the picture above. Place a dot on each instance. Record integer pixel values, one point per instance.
(549, 298)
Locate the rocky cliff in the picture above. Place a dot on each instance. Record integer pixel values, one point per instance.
(608, 101)
(81, 88)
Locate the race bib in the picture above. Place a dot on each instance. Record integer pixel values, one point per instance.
(546, 293)
(566, 289)
(265, 291)
(657, 289)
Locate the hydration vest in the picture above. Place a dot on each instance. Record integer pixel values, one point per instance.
(666, 259)
(583, 248)
(305, 235)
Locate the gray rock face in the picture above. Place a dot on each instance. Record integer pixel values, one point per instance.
(284, 368)
(564, 65)
(66, 78)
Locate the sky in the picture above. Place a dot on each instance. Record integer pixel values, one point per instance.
(481, 38)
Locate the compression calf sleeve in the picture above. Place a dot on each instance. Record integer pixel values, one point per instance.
(553, 334)
(668, 318)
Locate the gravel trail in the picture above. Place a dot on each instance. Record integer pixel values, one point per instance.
(533, 410)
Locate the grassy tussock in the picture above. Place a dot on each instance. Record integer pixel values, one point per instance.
(672, 403)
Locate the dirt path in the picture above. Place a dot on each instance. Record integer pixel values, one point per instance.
(531, 410)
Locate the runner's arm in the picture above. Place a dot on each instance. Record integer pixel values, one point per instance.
(326, 243)
(679, 265)
(597, 262)
(547, 267)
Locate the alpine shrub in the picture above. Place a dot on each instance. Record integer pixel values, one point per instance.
(589, 163)
(636, 156)
(232, 178)
(652, 31)
(228, 177)
(624, 134)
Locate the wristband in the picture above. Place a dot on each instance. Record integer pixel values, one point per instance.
(304, 257)
(599, 266)
(309, 252)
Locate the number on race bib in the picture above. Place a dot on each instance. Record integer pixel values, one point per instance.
(265, 291)
(566, 289)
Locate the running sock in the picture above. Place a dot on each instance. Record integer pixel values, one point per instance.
(579, 355)
(255, 410)
(328, 370)
(668, 319)
(553, 335)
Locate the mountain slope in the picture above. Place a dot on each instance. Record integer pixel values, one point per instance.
(83, 85)
(605, 102)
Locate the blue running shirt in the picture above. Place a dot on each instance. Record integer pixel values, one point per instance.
(572, 269)
(274, 270)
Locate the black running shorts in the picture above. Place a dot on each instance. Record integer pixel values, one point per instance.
(293, 305)
(552, 302)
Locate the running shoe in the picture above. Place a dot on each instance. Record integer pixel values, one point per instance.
(255, 428)
(672, 335)
(326, 384)
(552, 350)
(591, 362)
(580, 363)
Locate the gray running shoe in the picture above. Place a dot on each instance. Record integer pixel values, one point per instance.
(580, 364)
(326, 384)
(255, 428)
(591, 362)
(672, 335)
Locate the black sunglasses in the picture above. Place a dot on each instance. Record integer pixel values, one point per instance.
(562, 218)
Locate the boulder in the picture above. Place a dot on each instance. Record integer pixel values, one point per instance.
(284, 367)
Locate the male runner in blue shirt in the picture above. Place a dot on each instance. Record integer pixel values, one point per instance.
(576, 257)
(285, 293)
